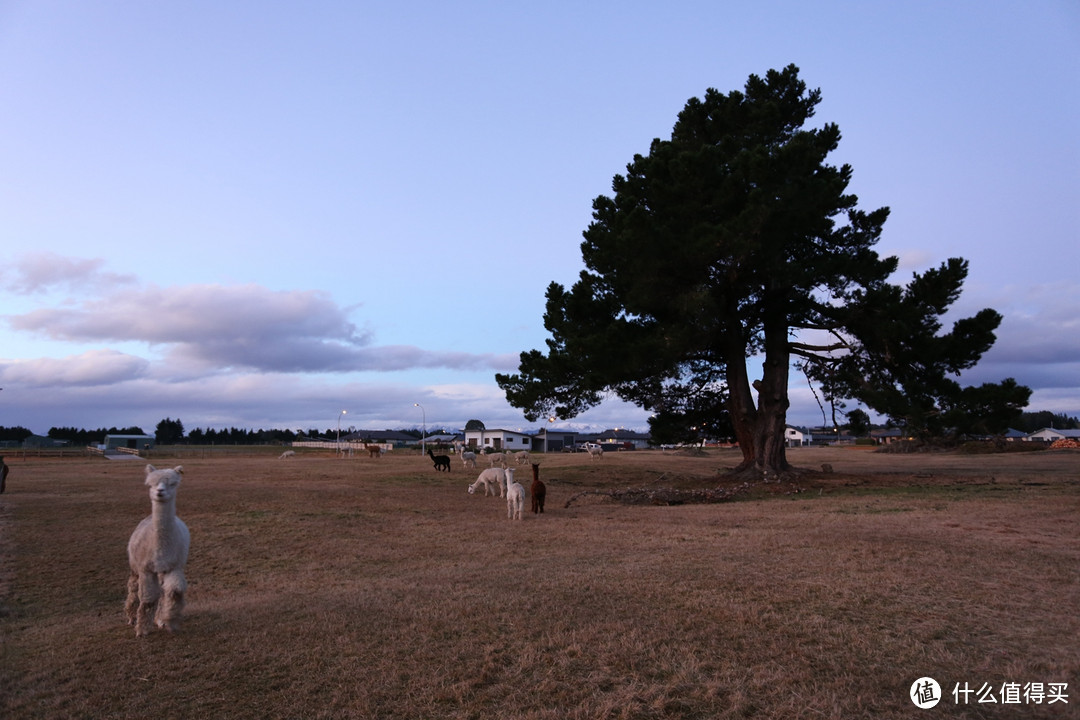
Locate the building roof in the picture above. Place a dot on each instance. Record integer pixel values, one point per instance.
(444, 438)
(498, 430)
(1062, 433)
(380, 436)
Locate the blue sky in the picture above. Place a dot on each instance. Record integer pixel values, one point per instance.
(257, 214)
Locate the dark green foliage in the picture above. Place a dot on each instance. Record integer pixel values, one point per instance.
(898, 361)
(14, 434)
(241, 436)
(701, 416)
(77, 436)
(1033, 421)
(169, 432)
(858, 423)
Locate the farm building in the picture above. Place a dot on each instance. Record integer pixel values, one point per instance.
(129, 442)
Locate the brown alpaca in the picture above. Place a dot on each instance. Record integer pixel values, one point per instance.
(537, 491)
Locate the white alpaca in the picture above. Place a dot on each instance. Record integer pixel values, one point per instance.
(157, 553)
(522, 457)
(515, 497)
(286, 455)
(468, 458)
(596, 452)
(489, 477)
(499, 458)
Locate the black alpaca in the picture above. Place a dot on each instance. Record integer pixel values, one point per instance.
(537, 491)
(442, 462)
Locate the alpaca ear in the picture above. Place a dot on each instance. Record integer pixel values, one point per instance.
(150, 469)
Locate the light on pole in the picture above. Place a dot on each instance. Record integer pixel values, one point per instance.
(343, 412)
(423, 434)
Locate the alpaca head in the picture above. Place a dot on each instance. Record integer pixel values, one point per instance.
(163, 483)
(509, 476)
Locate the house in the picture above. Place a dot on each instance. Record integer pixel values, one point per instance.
(128, 442)
(1049, 435)
(887, 436)
(797, 437)
(552, 440)
(622, 439)
(497, 440)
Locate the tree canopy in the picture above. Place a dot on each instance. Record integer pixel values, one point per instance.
(733, 239)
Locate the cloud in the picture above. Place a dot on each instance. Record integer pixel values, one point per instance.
(911, 261)
(206, 328)
(40, 272)
(1038, 341)
(96, 367)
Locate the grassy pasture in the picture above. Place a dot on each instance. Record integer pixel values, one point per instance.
(378, 588)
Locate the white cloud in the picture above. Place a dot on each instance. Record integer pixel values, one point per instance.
(40, 272)
(96, 367)
(205, 328)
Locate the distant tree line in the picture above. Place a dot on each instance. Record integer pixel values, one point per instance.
(77, 436)
(238, 436)
(859, 422)
(1031, 421)
(14, 434)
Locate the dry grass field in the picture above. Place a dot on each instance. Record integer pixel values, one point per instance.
(378, 588)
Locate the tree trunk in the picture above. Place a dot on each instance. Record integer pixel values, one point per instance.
(760, 429)
(741, 406)
(771, 456)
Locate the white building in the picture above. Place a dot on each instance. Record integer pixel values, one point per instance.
(1049, 435)
(797, 437)
(497, 440)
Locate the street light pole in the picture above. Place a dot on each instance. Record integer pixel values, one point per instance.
(423, 434)
(338, 443)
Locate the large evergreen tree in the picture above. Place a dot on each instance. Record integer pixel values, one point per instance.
(733, 239)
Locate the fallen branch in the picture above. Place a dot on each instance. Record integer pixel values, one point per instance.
(667, 496)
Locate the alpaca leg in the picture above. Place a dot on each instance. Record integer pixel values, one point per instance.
(149, 593)
(174, 585)
(131, 605)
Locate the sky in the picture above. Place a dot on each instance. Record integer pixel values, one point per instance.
(262, 214)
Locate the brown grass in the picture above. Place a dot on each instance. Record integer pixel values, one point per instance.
(364, 588)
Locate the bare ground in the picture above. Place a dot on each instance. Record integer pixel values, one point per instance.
(360, 588)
